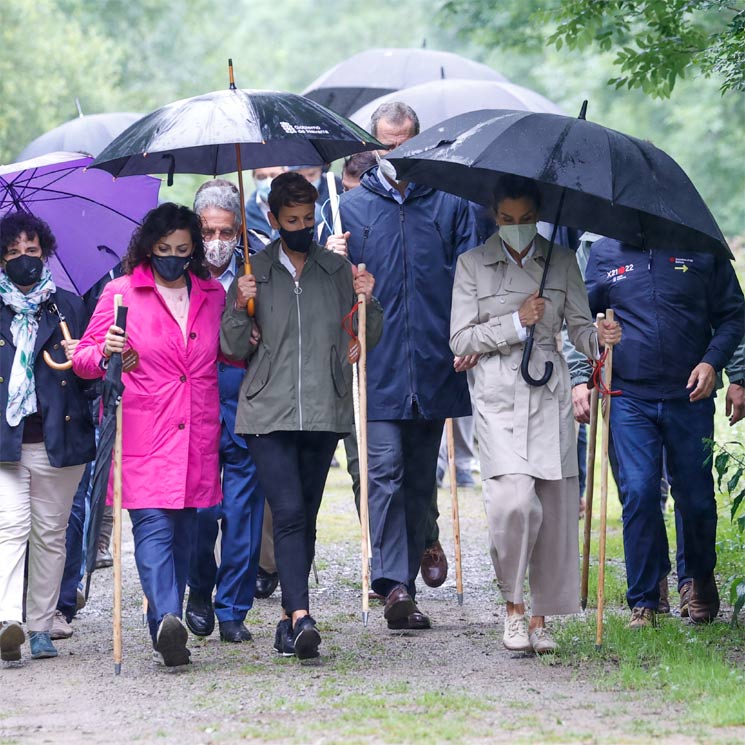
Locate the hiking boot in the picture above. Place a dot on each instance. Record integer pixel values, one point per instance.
(515, 636)
(283, 643)
(703, 604)
(663, 606)
(542, 641)
(685, 597)
(61, 629)
(11, 638)
(104, 558)
(642, 618)
(41, 645)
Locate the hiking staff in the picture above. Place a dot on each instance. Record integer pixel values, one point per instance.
(604, 489)
(590, 490)
(117, 530)
(456, 514)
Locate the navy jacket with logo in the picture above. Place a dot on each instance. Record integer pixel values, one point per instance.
(676, 308)
(411, 249)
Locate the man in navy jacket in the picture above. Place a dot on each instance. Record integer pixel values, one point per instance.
(683, 316)
(409, 237)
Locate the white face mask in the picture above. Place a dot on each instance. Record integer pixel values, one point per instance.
(263, 187)
(218, 252)
(518, 237)
(387, 169)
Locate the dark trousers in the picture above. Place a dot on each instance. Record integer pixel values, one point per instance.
(402, 470)
(240, 516)
(163, 543)
(68, 594)
(292, 468)
(641, 429)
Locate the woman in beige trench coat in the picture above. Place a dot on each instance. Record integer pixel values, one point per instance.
(526, 434)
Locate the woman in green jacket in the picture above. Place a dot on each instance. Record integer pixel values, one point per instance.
(296, 398)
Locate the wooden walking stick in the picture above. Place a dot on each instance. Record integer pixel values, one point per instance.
(362, 440)
(456, 515)
(590, 490)
(117, 529)
(604, 492)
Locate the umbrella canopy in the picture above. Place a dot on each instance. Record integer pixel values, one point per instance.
(87, 134)
(442, 99)
(368, 75)
(91, 215)
(614, 184)
(199, 134)
(111, 397)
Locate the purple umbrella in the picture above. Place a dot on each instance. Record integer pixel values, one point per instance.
(91, 214)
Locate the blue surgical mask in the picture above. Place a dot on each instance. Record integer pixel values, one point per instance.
(263, 187)
(170, 267)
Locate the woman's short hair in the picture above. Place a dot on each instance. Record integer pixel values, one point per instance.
(158, 223)
(15, 223)
(221, 194)
(289, 190)
(516, 187)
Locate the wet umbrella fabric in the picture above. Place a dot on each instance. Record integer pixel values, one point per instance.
(368, 75)
(614, 184)
(443, 99)
(199, 135)
(91, 215)
(88, 134)
(111, 396)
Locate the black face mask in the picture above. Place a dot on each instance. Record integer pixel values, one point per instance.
(297, 240)
(170, 267)
(24, 270)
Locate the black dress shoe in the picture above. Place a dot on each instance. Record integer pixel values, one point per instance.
(199, 615)
(416, 621)
(266, 584)
(234, 631)
(283, 641)
(306, 638)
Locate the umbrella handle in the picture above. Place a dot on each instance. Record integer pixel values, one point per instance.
(48, 357)
(525, 364)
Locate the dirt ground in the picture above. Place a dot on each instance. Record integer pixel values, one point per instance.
(455, 683)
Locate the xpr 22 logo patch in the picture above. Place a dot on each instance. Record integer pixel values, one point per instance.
(615, 275)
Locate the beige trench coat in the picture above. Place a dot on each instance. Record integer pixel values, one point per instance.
(521, 428)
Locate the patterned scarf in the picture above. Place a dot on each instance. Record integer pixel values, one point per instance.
(24, 327)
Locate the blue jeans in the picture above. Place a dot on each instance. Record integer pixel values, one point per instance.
(640, 430)
(240, 515)
(163, 543)
(68, 594)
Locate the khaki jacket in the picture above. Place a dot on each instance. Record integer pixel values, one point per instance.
(298, 378)
(521, 428)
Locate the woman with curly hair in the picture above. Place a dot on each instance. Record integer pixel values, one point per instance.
(170, 407)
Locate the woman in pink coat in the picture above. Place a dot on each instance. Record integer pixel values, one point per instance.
(170, 407)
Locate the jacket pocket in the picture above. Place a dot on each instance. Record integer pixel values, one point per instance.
(337, 374)
(138, 426)
(260, 375)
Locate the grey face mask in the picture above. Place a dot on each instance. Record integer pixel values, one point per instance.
(518, 237)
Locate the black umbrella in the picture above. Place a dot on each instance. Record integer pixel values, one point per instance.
(111, 397)
(376, 72)
(594, 178)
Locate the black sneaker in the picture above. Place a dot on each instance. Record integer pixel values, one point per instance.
(306, 638)
(171, 641)
(283, 642)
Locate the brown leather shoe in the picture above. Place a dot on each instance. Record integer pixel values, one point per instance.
(663, 606)
(685, 597)
(703, 605)
(415, 621)
(399, 605)
(372, 595)
(434, 565)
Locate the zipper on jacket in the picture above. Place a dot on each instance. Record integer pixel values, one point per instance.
(365, 236)
(298, 291)
(650, 267)
(412, 392)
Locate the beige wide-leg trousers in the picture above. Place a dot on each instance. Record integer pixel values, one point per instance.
(35, 504)
(533, 531)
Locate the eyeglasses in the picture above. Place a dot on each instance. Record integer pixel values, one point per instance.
(225, 234)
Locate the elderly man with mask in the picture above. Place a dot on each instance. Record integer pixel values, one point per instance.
(240, 513)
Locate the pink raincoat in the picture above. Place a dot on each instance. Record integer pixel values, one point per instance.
(171, 404)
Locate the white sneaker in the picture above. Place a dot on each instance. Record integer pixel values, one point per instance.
(542, 641)
(60, 628)
(516, 634)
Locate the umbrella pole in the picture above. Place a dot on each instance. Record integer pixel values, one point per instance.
(364, 512)
(604, 494)
(456, 514)
(117, 530)
(590, 490)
